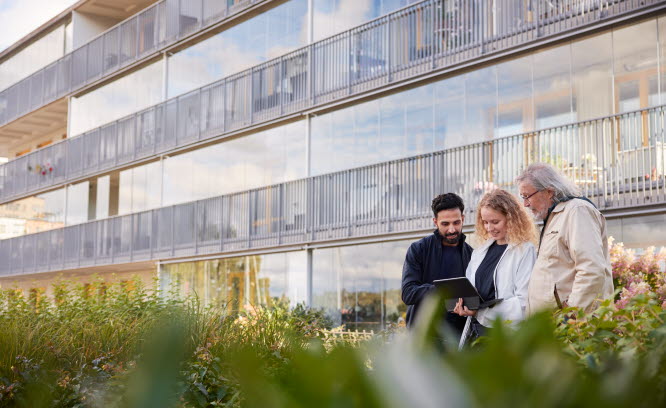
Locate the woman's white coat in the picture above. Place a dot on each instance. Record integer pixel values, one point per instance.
(511, 275)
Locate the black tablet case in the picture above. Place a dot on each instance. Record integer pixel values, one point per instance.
(456, 288)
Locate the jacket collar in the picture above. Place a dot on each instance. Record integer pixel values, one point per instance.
(559, 207)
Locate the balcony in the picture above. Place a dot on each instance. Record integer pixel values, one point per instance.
(154, 28)
(416, 40)
(391, 197)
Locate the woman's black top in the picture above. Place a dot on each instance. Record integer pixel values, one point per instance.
(484, 282)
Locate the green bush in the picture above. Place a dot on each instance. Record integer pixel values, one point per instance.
(121, 345)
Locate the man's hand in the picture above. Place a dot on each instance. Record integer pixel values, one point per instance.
(463, 310)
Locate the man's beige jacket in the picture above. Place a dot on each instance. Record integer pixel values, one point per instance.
(573, 257)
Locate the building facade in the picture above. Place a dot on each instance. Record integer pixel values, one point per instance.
(266, 151)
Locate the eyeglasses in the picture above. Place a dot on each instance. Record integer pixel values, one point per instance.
(527, 198)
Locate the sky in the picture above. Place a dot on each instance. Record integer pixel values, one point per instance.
(20, 17)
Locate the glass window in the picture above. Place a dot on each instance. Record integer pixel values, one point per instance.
(635, 61)
(103, 197)
(449, 97)
(265, 36)
(264, 158)
(119, 98)
(140, 188)
(480, 104)
(125, 192)
(661, 22)
(32, 58)
(258, 280)
(552, 87)
(77, 203)
(360, 286)
(33, 214)
(592, 77)
(515, 113)
(334, 16)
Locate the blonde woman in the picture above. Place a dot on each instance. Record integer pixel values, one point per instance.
(501, 267)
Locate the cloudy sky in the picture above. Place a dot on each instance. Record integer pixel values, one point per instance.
(20, 17)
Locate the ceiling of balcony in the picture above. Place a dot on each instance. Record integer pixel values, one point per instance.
(117, 9)
(34, 125)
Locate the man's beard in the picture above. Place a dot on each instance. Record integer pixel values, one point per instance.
(539, 216)
(452, 238)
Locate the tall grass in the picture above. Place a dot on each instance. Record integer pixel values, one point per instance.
(124, 346)
(87, 343)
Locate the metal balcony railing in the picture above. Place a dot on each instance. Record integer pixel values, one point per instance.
(618, 161)
(152, 29)
(418, 39)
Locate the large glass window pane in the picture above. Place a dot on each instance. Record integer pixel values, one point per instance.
(480, 104)
(146, 185)
(449, 108)
(33, 214)
(264, 158)
(265, 36)
(552, 87)
(119, 98)
(332, 142)
(359, 286)
(103, 197)
(635, 61)
(233, 283)
(125, 192)
(77, 203)
(419, 121)
(592, 69)
(333, 16)
(33, 57)
(515, 112)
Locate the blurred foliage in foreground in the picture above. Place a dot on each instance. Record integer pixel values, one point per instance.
(123, 346)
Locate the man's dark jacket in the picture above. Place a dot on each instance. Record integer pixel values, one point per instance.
(423, 265)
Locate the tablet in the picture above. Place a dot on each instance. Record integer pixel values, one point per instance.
(456, 288)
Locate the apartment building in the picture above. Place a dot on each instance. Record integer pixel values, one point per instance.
(262, 151)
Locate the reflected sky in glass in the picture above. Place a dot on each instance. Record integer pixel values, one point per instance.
(360, 285)
(33, 57)
(334, 16)
(271, 277)
(266, 36)
(119, 98)
(268, 157)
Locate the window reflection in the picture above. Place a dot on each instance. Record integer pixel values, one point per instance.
(33, 214)
(35, 56)
(77, 203)
(140, 188)
(234, 283)
(592, 77)
(635, 63)
(119, 98)
(552, 87)
(360, 286)
(266, 36)
(514, 105)
(268, 157)
(334, 16)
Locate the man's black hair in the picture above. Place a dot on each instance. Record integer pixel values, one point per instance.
(447, 201)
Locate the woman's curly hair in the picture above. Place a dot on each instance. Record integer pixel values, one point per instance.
(520, 226)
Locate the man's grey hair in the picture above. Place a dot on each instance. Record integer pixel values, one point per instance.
(543, 176)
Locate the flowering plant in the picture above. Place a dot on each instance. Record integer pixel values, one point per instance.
(638, 274)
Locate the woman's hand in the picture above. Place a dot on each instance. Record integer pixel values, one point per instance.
(463, 310)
